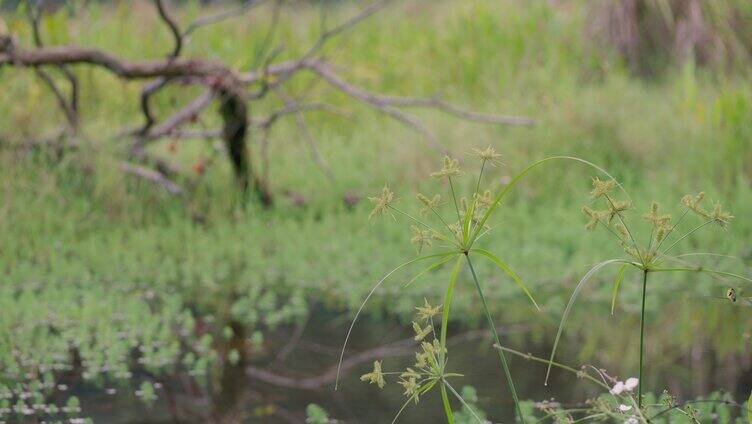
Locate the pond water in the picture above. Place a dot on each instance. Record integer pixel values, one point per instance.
(280, 382)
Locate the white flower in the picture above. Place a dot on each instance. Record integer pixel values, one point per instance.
(618, 388)
(624, 408)
(631, 420)
(631, 383)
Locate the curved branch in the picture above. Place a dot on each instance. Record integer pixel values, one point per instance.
(72, 55)
(153, 176)
(384, 102)
(188, 113)
(173, 25)
(69, 108)
(221, 16)
(146, 92)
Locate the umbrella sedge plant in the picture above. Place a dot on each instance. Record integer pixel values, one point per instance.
(652, 256)
(454, 242)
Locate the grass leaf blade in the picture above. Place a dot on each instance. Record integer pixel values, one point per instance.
(617, 282)
(568, 308)
(504, 267)
(373, 290)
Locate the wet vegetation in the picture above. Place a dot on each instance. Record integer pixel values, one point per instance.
(120, 302)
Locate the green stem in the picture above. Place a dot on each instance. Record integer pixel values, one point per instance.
(447, 406)
(502, 357)
(642, 337)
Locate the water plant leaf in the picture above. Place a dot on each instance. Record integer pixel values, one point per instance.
(429, 268)
(568, 308)
(447, 303)
(504, 267)
(617, 282)
(373, 290)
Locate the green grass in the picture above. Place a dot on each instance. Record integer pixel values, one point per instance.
(75, 231)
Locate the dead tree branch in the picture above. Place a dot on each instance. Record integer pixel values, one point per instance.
(69, 107)
(153, 176)
(233, 89)
(385, 103)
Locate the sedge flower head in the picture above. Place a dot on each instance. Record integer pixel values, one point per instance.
(721, 217)
(601, 188)
(450, 169)
(382, 202)
(421, 333)
(429, 204)
(488, 155)
(483, 200)
(657, 219)
(375, 376)
(426, 312)
(421, 238)
(693, 203)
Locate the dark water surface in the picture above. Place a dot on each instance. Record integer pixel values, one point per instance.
(281, 381)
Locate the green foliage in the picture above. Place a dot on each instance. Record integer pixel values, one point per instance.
(88, 251)
(316, 415)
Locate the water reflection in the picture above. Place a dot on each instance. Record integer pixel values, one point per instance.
(297, 367)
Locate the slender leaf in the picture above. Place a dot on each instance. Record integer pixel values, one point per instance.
(428, 269)
(447, 406)
(464, 403)
(509, 272)
(447, 304)
(617, 282)
(373, 290)
(568, 308)
(516, 179)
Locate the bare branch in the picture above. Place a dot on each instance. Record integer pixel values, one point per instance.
(221, 16)
(188, 113)
(146, 92)
(153, 176)
(69, 55)
(173, 25)
(208, 134)
(295, 108)
(382, 101)
(230, 87)
(304, 131)
(171, 127)
(344, 26)
(70, 110)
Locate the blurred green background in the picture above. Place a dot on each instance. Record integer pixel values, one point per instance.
(96, 264)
